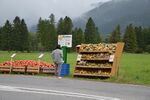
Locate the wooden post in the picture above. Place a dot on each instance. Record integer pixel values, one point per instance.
(11, 67)
(39, 60)
(116, 63)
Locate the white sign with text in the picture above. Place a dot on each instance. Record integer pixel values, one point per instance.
(65, 40)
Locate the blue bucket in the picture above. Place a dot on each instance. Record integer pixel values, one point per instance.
(65, 69)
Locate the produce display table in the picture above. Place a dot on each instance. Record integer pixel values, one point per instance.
(27, 66)
(98, 60)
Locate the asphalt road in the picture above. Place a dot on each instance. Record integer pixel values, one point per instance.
(20, 87)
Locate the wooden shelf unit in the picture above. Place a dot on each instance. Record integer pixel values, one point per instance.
(103, 62)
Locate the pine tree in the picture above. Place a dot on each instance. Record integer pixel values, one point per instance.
(17, 40)
(130, 39)
(47, 33)
(52, 19)
(20, 35)
(140, 39)
(116, 35)
(74, 35)
(91, 32)
(24, 36)
(60, 26)
(77, 37)
(33, 42)
(64, 26)
(80, 38)
(39, 25)
(68, 25)
(146, 32)
(41, 33)
(53, 33)
(98, 36)
(6, 36)
(107, 38)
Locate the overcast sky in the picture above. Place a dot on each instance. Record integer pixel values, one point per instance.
(31, 10)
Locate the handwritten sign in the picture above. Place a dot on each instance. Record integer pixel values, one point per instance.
(41, 55)
(111, 58)
(13, 55)
(65, 40)
(79, 57)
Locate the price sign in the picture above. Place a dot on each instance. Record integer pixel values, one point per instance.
(41, 55)
(79, 57)
(65, 40)
(111, 58)
(13, 55)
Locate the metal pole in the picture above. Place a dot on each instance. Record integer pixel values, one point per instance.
(64, 48)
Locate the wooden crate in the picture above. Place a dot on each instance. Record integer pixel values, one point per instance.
(47, 70)
(21, 69)
(33, 70)
(5, 68)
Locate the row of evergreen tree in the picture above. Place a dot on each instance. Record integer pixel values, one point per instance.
(16, 37)
(48, 32)
(136, 39)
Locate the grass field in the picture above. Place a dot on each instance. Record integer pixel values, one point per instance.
(134, 68)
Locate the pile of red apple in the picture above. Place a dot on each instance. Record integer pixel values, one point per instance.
(27, 63)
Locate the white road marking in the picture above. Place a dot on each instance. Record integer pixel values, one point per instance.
(54, 92)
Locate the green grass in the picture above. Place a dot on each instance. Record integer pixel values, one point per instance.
(4, 55)
(134, 68)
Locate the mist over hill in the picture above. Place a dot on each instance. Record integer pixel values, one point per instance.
(109, 14)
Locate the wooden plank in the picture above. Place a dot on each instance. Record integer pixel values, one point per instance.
(102, 75)
(95, 59)
(96, 67)
(94, 51)
(116, 62)
(33, 70)
(5, 68)
(48, 70)
(19, 69)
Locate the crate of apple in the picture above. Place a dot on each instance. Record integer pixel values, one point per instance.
(25, 66)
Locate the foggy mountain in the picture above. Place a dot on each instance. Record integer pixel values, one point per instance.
(109, 14)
